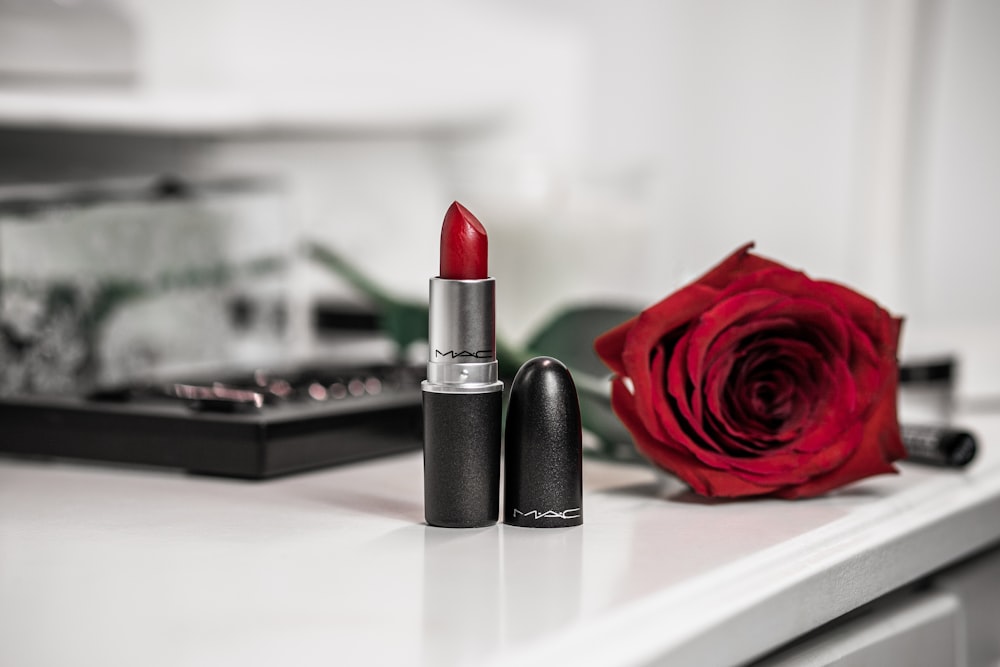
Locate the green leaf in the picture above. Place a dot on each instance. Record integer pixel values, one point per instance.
(569, 337)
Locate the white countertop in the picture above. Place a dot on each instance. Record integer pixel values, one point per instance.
(116, 566)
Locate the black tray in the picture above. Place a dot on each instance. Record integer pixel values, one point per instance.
(277, 438)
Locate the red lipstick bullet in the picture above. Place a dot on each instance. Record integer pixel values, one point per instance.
(462, 393)
(464, 246)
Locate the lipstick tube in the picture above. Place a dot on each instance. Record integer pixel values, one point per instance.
(462, 402)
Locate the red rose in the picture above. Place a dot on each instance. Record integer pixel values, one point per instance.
(756, 379)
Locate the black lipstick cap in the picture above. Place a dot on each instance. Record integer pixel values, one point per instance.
(543, 455)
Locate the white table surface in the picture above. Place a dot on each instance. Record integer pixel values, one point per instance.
(116, 566)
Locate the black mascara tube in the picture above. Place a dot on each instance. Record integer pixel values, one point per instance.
(938, 445)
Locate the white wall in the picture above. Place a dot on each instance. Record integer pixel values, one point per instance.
(380, 198)
(953, 270)
(859, 140)
(626, 146)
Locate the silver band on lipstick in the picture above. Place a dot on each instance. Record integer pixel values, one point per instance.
(462, 354)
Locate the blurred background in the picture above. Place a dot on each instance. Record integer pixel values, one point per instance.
(613, 150)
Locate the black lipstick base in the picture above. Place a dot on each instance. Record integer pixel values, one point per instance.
(462, 458)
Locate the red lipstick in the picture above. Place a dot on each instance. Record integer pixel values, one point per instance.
(464, 245)
(462, 393)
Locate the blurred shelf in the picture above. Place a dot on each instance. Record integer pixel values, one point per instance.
(232, 115)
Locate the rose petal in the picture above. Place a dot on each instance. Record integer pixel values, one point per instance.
(654, 419)
(731, 414)
(718, 384)
(882, 445)
(720, 328)
(702, 479)
(796, 461)
(738, 264)
(725, 414)
(788, 466)
(609, 346)
(727, 350)
(649, 332)
(881, 328)
(678, 383)
(879, 435)
(871, 340)
(818, 449)
(672, 420)
(786, 366)
(660, 320)
(713, 322)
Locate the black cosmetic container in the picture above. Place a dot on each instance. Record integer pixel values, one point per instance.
(543, 455)
(462, 405)
(938, 445)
